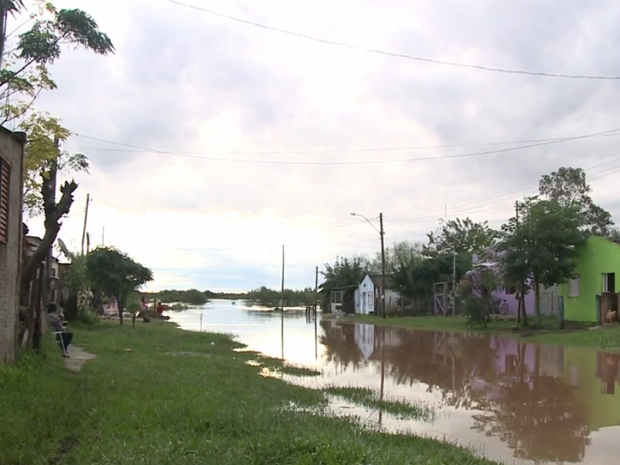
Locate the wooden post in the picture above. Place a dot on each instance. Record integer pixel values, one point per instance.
(561, 311)
(282, 306)
(85, 223)
(598, 310)
(382, 234)
(316, 290)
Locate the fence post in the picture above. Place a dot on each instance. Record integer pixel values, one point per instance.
(598, 310)
(561, 311)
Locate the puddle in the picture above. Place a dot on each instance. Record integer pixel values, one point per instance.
(509, 400)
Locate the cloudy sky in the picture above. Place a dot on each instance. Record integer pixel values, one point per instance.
(245, 139)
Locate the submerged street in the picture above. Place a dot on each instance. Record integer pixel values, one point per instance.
(508, 400)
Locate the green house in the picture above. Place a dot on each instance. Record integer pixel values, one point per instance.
(598, 270)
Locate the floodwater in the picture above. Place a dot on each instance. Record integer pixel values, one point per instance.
(508, 400)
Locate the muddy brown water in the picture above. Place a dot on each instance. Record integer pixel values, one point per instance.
(509, 400)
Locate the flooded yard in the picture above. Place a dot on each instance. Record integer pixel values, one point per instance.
(509, 400)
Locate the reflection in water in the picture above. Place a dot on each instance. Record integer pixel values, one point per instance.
(513, 401)
(530, 397)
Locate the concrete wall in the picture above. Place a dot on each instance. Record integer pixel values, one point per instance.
(12, 153)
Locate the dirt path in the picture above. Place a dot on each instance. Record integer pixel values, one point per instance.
(78, 358)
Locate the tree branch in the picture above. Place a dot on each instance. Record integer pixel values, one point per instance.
(6, 80)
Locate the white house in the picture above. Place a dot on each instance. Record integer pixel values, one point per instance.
(367, 296)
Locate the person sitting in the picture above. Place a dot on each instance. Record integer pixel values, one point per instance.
(56, 324)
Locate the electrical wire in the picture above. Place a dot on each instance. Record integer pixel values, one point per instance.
(357, 162)
(332, 152)
(394, 54)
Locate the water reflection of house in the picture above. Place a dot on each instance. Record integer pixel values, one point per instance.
(595, 378)
(365, 339)
(369, 337)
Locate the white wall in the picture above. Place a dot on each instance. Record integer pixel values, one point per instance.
(366, 296)
(391, 298)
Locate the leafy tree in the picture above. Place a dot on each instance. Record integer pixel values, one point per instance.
(23, 76)
(569, 187)
(460, 236)
(415, 274)
(41, 45)
(342, 273)
(112, 272)
(540, 244)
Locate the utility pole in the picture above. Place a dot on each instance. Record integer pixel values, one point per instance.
(103, 236)
(382, 233)
(520, 284)
(316, 290)
(47, 282)
(282, 305)
(454, 284)
(85, 222)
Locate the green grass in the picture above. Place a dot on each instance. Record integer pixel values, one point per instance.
(607, 337)
(368, 398)
(157, 405)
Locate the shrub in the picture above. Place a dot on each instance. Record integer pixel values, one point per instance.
(89, 317)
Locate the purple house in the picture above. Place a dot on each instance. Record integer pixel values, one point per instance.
(548, 296)
(508, 296)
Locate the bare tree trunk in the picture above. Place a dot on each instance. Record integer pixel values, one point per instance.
(36, 334)
(53, 214)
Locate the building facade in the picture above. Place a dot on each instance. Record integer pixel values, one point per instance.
(11, 200)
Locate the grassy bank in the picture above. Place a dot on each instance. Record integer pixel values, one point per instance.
(159, 395)
(607, 337)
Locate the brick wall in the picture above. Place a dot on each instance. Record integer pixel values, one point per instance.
(11, 151)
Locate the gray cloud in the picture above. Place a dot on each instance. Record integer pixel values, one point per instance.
(185, 81)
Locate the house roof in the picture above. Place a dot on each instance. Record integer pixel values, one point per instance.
(376, 280)
(345, 288)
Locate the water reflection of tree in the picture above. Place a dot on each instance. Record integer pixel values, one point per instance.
(537, 416)
(340, 346)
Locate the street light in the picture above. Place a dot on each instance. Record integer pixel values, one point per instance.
(381, 234)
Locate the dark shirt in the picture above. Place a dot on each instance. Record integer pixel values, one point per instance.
(55, 322)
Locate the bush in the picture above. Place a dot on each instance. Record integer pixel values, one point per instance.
(478, 310)
(89, 317)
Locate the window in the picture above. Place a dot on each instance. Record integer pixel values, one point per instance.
(5, 171)
(609, 282)
(573, 287)
(336, 297)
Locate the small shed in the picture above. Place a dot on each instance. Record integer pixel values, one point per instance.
(342, 299)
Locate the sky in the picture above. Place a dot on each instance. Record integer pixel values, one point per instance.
(213, 142)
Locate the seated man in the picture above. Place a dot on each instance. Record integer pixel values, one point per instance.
(56, 325)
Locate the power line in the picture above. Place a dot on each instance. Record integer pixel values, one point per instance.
(357, 162)
(394, 54)
(332, 151)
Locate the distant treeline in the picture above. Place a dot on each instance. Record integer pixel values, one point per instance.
(266, 297)
(262, 296)
(190, 296)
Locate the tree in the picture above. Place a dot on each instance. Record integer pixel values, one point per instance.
(568, 186)
(343, 273)
(41, 45)
(44, 160)
(23, 76)
(541, 244)
(460, 236)
(113, 273)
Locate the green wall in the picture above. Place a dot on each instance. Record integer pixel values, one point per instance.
(596, 257)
